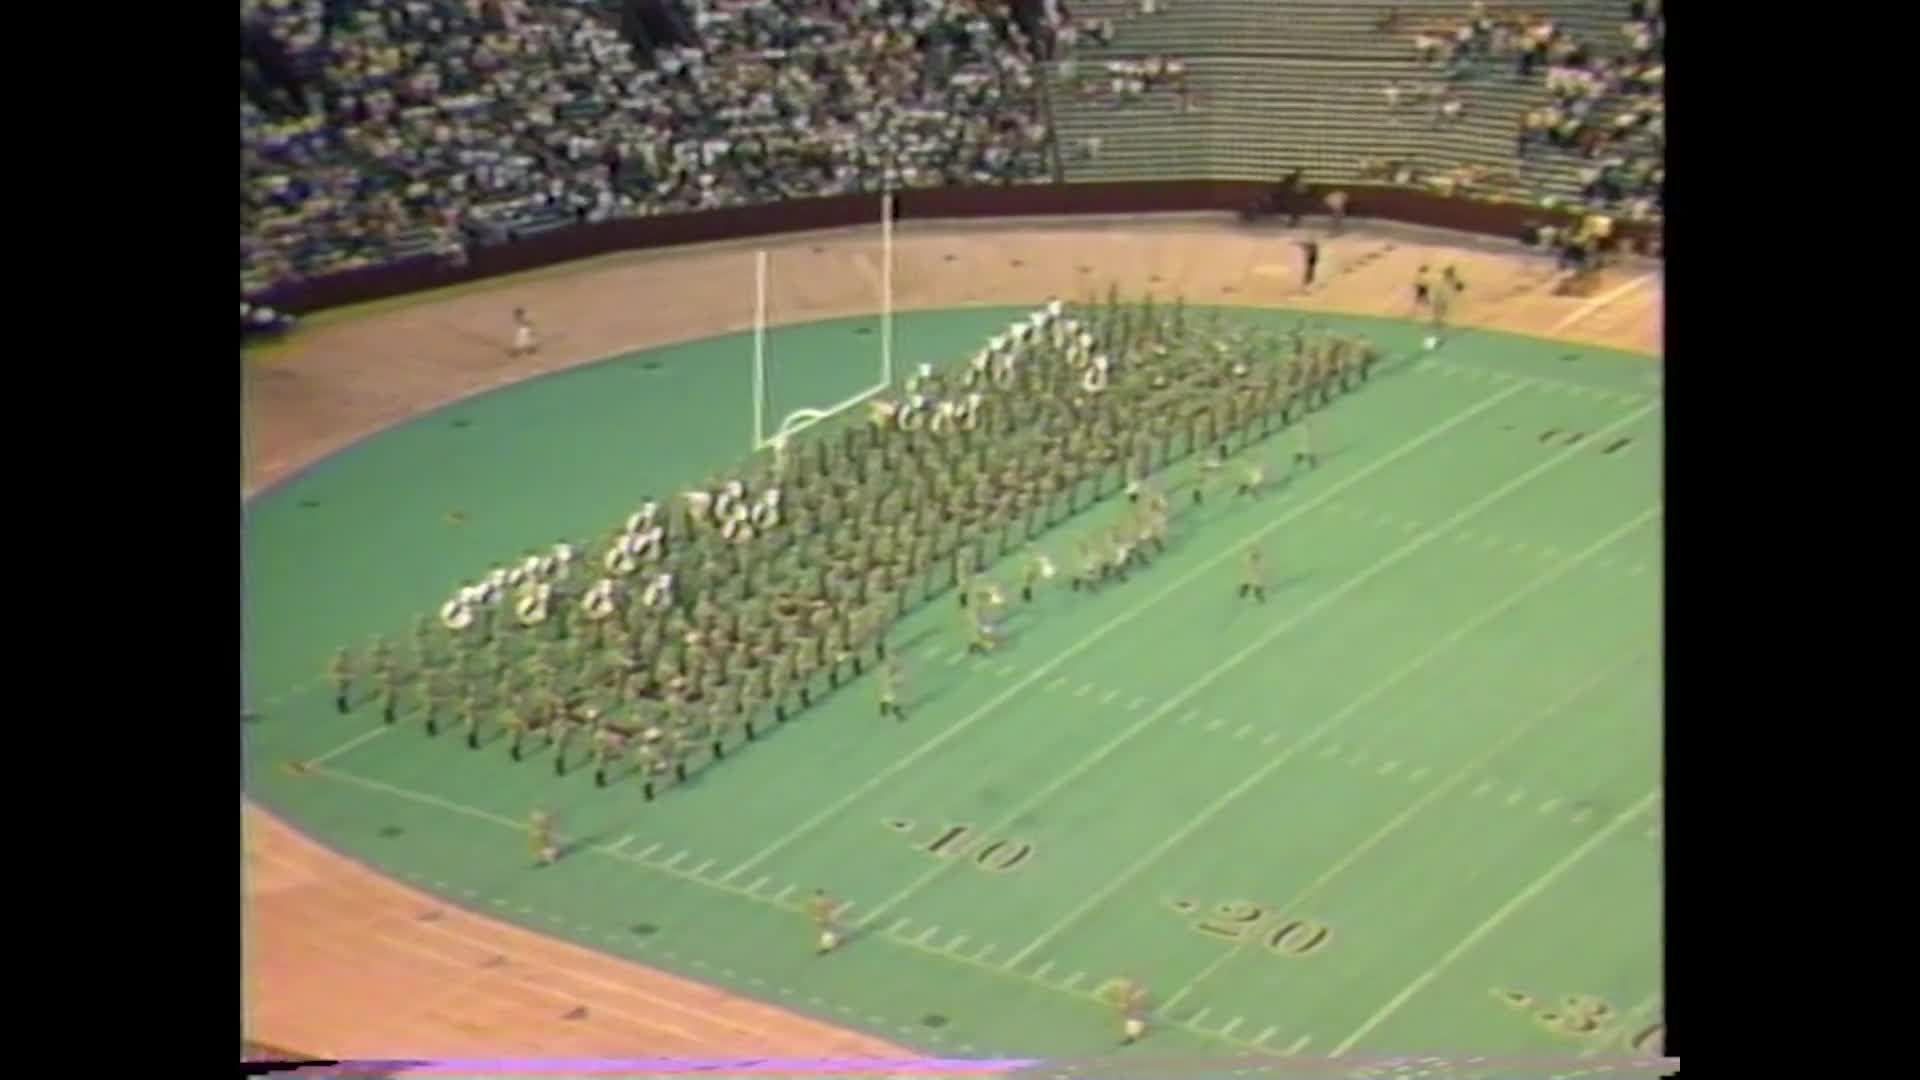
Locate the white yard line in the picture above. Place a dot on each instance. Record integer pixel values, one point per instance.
(1174, 587)
(435, 800)
(1378, 567)
(1601, 301)
(1435, 793)
(1366, 698)
(365, 736)
(1499, 917)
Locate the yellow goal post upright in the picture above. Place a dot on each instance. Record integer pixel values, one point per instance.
(779, 436)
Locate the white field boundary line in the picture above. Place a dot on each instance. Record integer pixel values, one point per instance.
(1595, 679)
(874, 782)
(1601, 301)
(1366, 698)
(1500, 916)
(1393, 558)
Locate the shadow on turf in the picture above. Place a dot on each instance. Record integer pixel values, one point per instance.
(851, 936)
(581, 844)
(908, 644)
(934, 693)
(1275, 590)
(1287, 584)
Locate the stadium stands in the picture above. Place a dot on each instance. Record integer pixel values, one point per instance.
(375, 130)
(432, 125)
(1341, 92)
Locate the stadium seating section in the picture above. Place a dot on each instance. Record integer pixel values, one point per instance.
(429, 126)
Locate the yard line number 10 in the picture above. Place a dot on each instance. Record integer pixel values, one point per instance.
(996, 854)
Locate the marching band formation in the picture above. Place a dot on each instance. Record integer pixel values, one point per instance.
(677, 638)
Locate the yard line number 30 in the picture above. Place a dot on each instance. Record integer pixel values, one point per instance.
(1584, 1016)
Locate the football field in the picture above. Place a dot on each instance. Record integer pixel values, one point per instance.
(1409, 804)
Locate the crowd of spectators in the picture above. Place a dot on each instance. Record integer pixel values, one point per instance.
(427, 126)
(1122, 82)
(1115, 83)
(1604, 103)
(423, 127)
(1111, 83)
(1611, 110)
(1482, 39)
(1439, 101)
(1446, 181)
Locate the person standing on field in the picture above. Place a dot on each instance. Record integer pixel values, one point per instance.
(525, 343)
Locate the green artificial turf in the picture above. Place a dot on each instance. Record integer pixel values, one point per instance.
(1427, 767)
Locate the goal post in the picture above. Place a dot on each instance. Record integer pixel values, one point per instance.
(886, 289)
(759, 349)
(773, 431)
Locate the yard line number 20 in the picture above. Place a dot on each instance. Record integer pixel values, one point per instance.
(1241, 920)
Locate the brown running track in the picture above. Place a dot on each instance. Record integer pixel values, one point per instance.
(340, 962)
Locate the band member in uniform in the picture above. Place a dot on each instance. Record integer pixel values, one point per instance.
(470, 718)
(606, 749)
(540, 828)
(565, 727)
(1254, 479)
(1087, 574)
(1038, 568)
(340, 670)
(821, 910)
(1253, 576)
(521, 723)
(980, 641)
(1132, 1003)
(422, 641)
(1442, 296)
(389, 691)
(439, 693)
(653, 757)
(891, 679)
(1210, 466)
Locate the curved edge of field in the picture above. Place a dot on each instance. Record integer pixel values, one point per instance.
(345, 963)
(342, 962)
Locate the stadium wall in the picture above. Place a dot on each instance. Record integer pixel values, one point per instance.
(801, 215)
